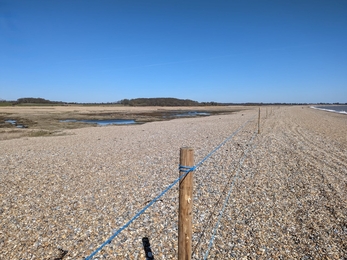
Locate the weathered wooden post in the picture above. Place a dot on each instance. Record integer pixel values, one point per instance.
(185, 212)
(259, 121)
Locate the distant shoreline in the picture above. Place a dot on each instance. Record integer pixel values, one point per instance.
(340, 109)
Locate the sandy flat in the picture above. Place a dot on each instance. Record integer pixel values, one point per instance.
(63, 196)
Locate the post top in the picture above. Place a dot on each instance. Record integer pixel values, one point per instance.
(187, 148)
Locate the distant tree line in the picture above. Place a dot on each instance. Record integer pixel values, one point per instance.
(35, 101)
(29, 101)
(188, 102)
(278, 104)
(158, 102)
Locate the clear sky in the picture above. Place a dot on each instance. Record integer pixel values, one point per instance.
(223, 51)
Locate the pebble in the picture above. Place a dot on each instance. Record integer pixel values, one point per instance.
(63, 196)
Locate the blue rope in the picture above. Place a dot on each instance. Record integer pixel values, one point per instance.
(186, 170)
(226, 201)
(226, 140)
(108, 241)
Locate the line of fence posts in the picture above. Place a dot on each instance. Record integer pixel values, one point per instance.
(185, 211)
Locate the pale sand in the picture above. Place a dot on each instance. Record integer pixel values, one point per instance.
(71, 192)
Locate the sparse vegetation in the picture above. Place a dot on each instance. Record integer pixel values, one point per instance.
(39, 133)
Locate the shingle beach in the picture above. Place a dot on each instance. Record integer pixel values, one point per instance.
(61, 197)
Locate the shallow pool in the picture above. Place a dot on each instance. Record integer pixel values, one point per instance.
(103, 122)
(14, 122)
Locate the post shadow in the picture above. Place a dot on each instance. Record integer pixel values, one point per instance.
(147, 248)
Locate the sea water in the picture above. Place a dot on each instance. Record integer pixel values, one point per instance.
(342, 109)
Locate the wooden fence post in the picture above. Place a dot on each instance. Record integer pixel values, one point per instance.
(185, 213)
(259, 121)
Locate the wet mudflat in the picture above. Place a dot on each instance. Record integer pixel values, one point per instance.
(54, 120)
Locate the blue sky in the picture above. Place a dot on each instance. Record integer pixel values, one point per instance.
(223, 51)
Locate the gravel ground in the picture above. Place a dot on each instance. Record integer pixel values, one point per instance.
(63, 196)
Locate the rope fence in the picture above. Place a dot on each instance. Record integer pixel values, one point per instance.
(227, 198)
(186, 170)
